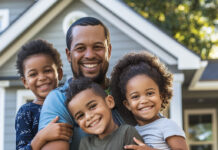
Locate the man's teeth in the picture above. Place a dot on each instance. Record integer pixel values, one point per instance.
(90, 65)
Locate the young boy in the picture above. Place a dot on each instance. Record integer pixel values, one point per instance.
(40, 68)
(91, 108)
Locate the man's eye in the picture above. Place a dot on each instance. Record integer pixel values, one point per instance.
(80, 48)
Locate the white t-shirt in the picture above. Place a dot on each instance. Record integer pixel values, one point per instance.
(156, 133)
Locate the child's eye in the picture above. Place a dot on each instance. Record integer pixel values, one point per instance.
(135, 97)
(150, 93)
(48, 70)
(80, 116)
(32, 75)
(92, 106)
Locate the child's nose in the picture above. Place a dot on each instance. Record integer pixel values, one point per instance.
(89, 116)
(42, 77)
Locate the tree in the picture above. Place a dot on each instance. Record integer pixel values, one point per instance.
(190, 22)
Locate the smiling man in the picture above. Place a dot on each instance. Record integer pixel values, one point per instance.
(88, 52)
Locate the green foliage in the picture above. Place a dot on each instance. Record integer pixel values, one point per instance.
(190, 22)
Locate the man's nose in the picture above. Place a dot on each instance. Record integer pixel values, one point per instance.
(89, 53)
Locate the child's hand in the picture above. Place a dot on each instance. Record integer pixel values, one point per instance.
(56, 131)
(140, 145)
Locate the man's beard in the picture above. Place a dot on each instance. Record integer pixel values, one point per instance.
(100, 78)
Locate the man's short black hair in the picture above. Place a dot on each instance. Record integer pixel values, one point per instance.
(81, 84)
(34, 47)
(85, 21)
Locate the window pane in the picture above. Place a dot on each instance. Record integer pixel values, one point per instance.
(200, 127)
(201, 147)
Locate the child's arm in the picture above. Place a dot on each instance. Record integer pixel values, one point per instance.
(53, 131)
(177, 143)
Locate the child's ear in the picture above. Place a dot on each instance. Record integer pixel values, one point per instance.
(60, 73)
(23, 79)
(126, 104)
(110, 101)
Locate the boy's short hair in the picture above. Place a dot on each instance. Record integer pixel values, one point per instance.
(34, 47)
(81, 84)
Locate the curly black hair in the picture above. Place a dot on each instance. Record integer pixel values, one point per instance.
(80, 84)
(133, 64)
(85, 21)
(38, 46)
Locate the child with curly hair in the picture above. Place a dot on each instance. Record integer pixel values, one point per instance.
(142, 87)
(40, 68)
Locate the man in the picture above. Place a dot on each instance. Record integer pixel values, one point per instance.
(88, 52)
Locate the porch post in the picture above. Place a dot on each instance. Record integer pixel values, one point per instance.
(3, 84)
(176, 102)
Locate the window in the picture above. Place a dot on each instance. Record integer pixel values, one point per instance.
(24, 96)
(4, 19)
(201, 129)
(72, 17)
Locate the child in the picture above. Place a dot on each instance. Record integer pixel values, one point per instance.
(142, 85)
(91, 108)
(40, 69)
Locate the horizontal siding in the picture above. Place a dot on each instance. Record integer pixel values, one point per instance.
(16, 7)
(10, 110)
(9, 68)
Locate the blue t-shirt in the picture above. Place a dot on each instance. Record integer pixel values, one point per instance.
(26, 125)
(54, 105)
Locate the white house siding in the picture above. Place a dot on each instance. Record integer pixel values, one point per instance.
(10, 110)
(16, 7)
(9, 68)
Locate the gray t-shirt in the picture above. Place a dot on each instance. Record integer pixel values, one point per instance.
(156, 133)
(115, 141)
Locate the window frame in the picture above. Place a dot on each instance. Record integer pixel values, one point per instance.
(211, 111)
(4, 14)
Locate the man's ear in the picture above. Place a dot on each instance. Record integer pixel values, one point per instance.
(23, 79)
(68, 53)
(60, 73)
(110, 101)
(126, 104)
(109, 51)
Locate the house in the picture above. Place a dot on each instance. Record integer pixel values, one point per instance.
(194, 104)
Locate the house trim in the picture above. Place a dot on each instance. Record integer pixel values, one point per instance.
(176, 102)
(5, 18)
(197, 85)
(22, 97)
(131, 32)
(3, 85)
(186, 58)
(34, 25)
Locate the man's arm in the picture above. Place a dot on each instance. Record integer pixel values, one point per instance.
(56, 145)
(53, 106)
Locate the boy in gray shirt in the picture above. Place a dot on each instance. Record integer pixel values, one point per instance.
(91, 108)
